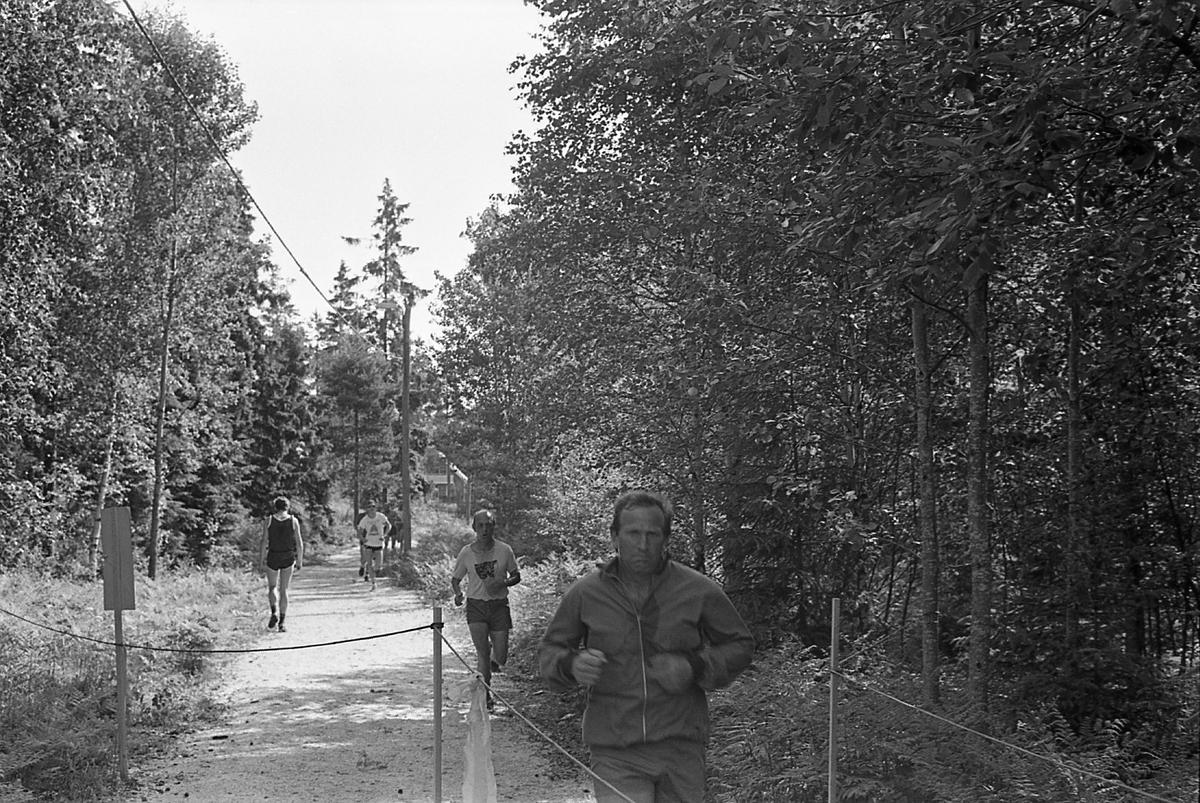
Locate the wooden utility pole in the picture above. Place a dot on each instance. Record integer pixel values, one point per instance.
(357, 475)
(406, 427)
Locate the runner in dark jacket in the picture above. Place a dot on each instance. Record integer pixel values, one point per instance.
(648, 637)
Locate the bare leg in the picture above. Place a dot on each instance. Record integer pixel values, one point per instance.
(483, 657)
(500, 646)
(371, 570)
(285, 580)
(272, 581)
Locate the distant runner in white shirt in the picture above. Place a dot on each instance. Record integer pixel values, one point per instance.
(372, 528)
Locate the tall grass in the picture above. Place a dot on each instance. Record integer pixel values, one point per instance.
(58, 694)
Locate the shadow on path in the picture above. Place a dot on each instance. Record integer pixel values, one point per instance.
(348, 722)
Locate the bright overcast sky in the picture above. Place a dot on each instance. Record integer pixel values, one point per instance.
(351, 92)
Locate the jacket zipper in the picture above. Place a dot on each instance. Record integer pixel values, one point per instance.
(637, 615)
(645, 682)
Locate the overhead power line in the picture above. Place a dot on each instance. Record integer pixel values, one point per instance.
(233, 171)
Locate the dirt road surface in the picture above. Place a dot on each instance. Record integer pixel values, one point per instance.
(350, 723)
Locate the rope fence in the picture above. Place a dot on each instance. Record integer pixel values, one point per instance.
(1057, 762)
(532, 725)
(437, 627)
(209, 651)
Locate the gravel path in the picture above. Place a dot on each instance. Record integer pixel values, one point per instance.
(351, 722)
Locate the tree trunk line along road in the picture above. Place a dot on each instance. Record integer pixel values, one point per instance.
(348, 722)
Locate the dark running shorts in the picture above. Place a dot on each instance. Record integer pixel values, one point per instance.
(280, 560)
(494, 612)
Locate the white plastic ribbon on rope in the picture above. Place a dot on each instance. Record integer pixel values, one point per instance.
(479, 775)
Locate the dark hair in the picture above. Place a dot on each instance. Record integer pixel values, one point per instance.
(281, 504)
(642, 499)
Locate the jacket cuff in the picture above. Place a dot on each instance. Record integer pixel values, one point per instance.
(564, 666)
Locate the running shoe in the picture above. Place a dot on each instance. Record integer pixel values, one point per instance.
(282, 629)
(271, 622)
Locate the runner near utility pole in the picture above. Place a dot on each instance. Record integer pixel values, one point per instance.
(372, 529)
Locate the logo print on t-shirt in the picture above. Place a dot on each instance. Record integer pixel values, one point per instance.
(485, 570)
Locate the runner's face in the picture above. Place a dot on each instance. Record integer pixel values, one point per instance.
(640, 541)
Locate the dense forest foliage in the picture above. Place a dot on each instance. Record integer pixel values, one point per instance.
(899, 302)
(151, 356)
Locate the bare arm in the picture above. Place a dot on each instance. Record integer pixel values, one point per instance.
(262, 547)
(299, 544)
(511, 578)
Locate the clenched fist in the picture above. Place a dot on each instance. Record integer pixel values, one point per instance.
(586, 667)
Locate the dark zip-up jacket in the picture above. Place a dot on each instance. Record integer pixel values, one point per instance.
(686, 613)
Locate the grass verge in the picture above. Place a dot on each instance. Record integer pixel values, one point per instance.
(58, 693)
(769, 745)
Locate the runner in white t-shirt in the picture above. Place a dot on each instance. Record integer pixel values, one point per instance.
(490, 569)
(372, 528)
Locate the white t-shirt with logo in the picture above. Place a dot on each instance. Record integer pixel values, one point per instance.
(375, 527)
(499, 562)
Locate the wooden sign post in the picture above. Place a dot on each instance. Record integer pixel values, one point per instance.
(116, 538)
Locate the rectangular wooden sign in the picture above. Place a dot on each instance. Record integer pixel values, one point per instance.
(116, 538)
